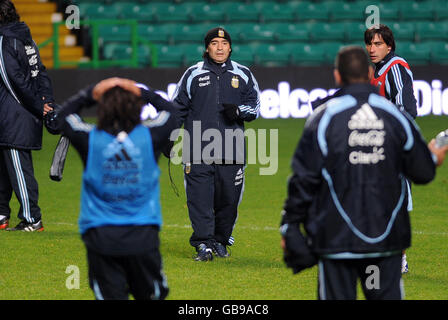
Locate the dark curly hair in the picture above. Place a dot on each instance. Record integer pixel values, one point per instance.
(119, 110)
(8, 12)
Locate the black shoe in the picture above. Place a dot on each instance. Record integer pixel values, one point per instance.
(28, 227)
(220, 250)
(204, 253)
(4, 223)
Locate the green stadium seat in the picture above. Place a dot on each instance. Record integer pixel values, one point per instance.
(439, 52)
(165, 12)
(307, 54)
(156, 33)
(327, 31)
(311, 11)
(207, 12)
(291, 32)
(93, 11)
(258, 32)
(133, 10)
(330, 50)
(237, 29)
(190, 32)
(169, 56)
(121, 51)
(117, 51)
(432, 31)
(240, 12)
(414, 53)
(115, 33)
(274, 55)
(388, 11)
(272, 11)
(243, 54)
(355, 32)
(192, 53)
(412, 11)
(403, 31)
(441, 10)
(346, 11)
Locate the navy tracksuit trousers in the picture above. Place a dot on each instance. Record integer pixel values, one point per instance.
(214, 192)
(17, 174)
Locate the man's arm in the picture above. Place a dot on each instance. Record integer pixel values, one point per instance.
(401, 89)
(418, 163)
(23, 88)
(162, 126)
(306, 178)
(250, 107)
(182, 98)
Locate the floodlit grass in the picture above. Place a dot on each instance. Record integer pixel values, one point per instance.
(33, 266)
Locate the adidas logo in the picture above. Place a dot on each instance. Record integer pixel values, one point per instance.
(365, 118)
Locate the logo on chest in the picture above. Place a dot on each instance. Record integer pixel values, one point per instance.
(235, 82)
(204, 81)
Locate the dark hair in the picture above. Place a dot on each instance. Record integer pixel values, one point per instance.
(8, 12)
(118, 110)
(382, 30)
(353, 64)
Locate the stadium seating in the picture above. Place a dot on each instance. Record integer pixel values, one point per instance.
(414, 53)
(274, 32)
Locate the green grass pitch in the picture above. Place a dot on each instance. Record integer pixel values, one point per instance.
(33, 266)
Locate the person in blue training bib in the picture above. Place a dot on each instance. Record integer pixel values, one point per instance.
(120, 214)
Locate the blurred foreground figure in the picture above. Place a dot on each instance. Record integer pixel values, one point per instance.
(120, 203)
(348, 188)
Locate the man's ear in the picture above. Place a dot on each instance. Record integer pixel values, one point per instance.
(337, 77)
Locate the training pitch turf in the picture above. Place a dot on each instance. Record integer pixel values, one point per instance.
(34, 265)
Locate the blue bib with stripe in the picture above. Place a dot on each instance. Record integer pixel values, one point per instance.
(120, 184)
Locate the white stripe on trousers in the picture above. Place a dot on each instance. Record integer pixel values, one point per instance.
(322, 289)
(22, 185)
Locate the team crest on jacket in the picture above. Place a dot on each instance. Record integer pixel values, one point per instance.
(235, 82)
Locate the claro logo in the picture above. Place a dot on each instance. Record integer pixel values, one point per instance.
(286, 102)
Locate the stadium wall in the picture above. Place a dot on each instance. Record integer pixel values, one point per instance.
(285, 92)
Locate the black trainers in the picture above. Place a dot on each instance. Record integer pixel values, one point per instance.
(204, 253)
(220, 250)
(28, 227)
(4, 223)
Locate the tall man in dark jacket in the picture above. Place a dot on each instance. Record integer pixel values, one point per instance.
(25, 96)
(348, 187)
(394, 79)
(216, 96)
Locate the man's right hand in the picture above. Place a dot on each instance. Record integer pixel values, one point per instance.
(440, 153)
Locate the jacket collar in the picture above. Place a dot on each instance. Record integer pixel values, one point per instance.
(386, 59)
(217, 68)
(355, 88)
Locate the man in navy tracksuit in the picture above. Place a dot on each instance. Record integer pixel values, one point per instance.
(26, 95)
(215, 96)
(348, 188)
(393, 78)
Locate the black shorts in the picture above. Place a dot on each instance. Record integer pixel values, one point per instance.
(115, 277)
